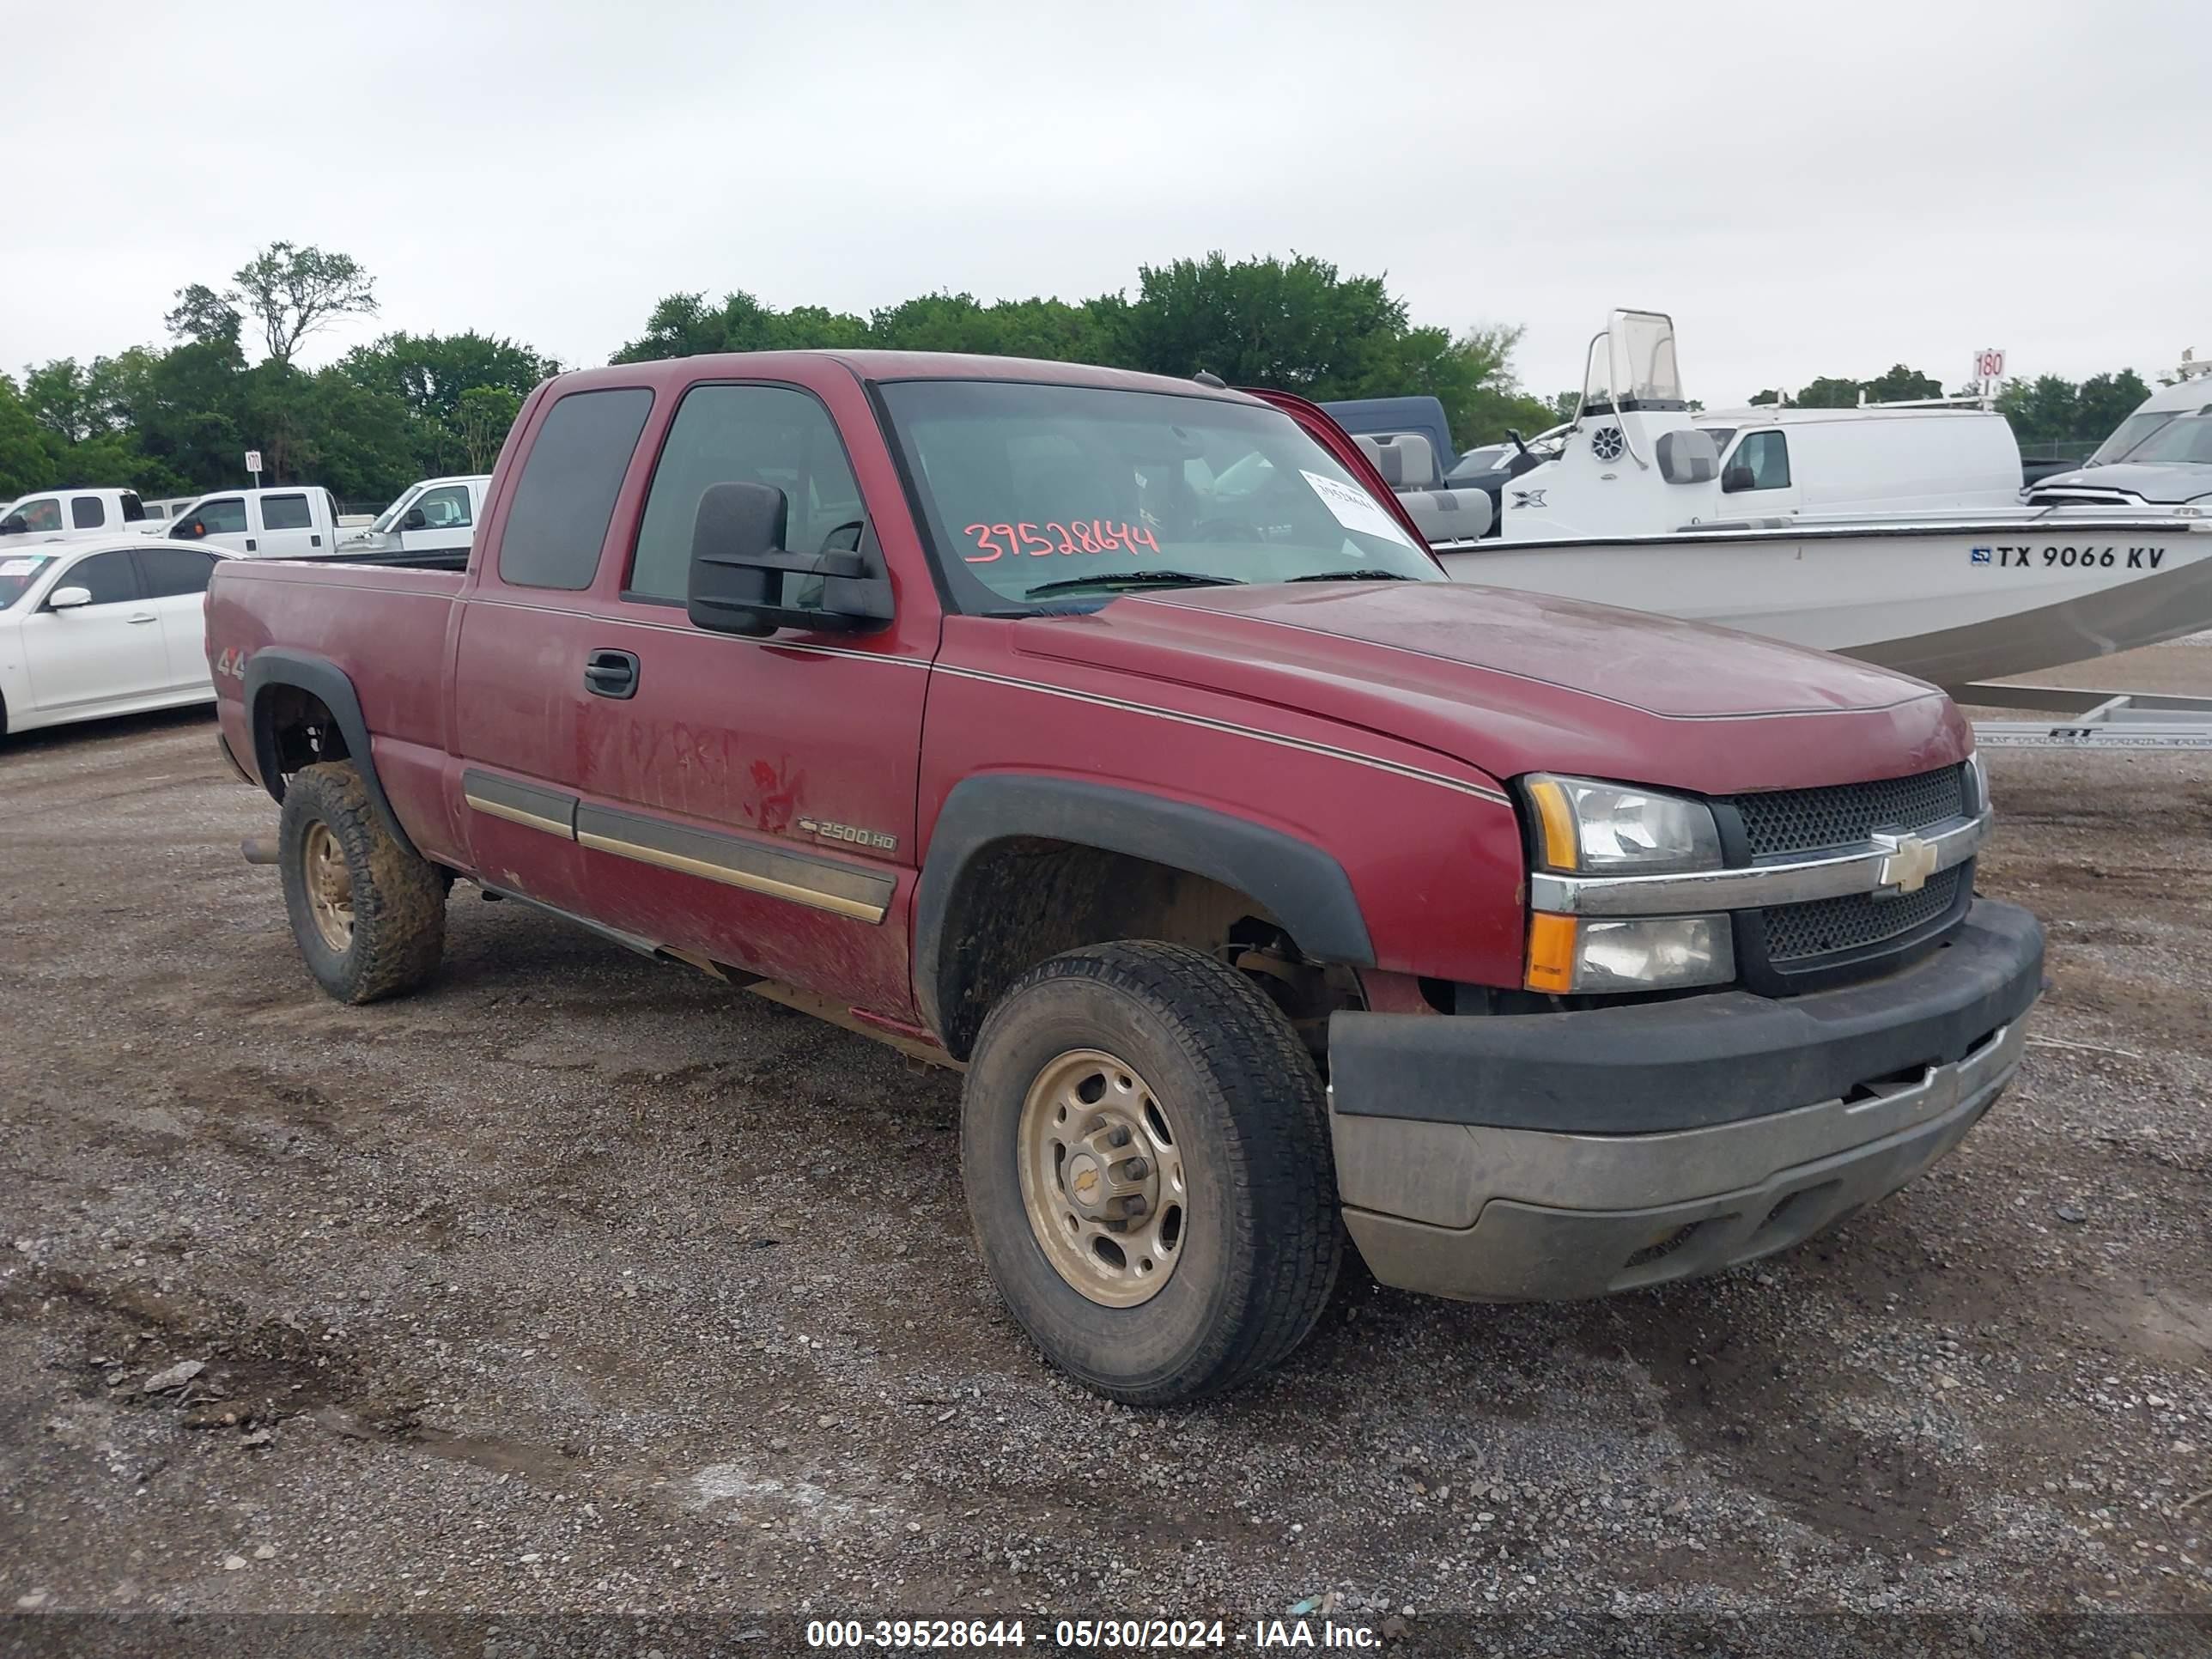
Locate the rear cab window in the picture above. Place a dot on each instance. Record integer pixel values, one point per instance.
(286, 512)
(557, 521)
(87, 513)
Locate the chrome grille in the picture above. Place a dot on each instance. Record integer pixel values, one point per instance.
(1787, 821)
(1821, 928)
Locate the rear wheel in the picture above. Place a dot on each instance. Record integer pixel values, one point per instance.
(368, 915)
(1145, 1146)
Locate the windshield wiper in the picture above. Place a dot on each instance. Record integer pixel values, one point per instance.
(1353, 576)
(1134, 578)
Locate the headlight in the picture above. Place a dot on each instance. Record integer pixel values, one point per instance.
(1571, 954)
(1598, 829)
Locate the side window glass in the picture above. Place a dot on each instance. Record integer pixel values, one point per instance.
(446, 508)
(223, 517)
(566, 496)
(1761, 462)
(134, 510)
(44, 514)
(169, 571)
(107, 576)
(87, 513)
(285, 513)
(765, 434)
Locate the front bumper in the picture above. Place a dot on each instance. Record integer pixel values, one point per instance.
(1550, 1156)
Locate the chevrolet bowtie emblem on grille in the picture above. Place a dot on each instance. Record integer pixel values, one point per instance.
(1910, 862)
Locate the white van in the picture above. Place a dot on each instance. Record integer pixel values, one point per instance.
(165, 509)
(1870, 460)
(433, 516)
(48, 512)
(262, 523)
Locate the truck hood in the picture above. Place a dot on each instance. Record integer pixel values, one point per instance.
(2166, 482)
(1509, 682)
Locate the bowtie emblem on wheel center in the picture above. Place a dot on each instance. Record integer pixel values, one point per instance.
(1083, 1181)
(1910, 862)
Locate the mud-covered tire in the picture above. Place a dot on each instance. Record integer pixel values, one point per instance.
(1260, 1239)
(398, 898)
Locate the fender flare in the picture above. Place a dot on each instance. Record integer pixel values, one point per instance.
(1302, 886)
(273, 667)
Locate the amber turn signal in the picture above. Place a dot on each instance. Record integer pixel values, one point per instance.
(1555, 825)
(1551, 952)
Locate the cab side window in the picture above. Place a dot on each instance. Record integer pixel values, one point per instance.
(285, 513)
(225, 517)
(446, 508)
(566, 496)
(768, 434)
(1761, 461)
(41, 516)
(87, 513)
(109, 577)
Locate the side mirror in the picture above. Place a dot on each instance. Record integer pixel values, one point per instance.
(413, 520)
(1737, 477)
(68, 598)
(739, 564)
(14, 525)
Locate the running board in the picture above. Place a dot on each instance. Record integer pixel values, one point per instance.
(2101, 720)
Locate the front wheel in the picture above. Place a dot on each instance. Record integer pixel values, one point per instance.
(1146, 1149)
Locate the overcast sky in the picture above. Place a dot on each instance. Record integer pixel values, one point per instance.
(1905, 182)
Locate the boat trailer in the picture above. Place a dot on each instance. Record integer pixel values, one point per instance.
(2099, 720)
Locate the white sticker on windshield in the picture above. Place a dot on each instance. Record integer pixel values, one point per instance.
(20, 567)
(1355, 509)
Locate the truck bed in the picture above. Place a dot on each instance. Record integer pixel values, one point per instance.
(388, 630)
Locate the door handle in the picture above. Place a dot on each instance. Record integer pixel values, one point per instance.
(611, 674)
(142, 616)
(249, 544)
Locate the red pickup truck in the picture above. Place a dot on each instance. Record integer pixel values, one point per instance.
(1118, 739)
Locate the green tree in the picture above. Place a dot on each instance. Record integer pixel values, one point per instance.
(57, 396)
(1902, 385)
(204, 317)
(485, 413)
(2102, 401)
(25, 462)
(294, 291)
(2046, 410)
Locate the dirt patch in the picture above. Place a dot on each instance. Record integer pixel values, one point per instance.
(578, 1282)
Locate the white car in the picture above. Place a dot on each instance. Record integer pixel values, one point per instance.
(94, 628)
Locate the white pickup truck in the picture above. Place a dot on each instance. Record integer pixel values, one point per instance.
(262, 523)
(47, 513)
(433, 518)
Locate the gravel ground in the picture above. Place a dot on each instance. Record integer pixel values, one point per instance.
(576, 1284)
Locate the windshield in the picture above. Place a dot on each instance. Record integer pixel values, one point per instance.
(2129, 433)
(16, 575)
(390, 515)
(2187, 441)
(1028, 486)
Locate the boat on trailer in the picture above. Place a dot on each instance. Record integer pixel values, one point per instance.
(1639, 507)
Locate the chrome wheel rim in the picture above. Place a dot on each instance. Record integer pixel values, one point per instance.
(1102, 1178)
(330, 887)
